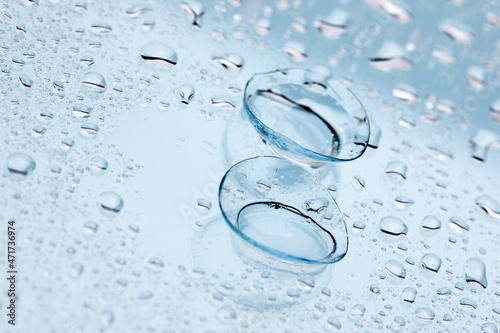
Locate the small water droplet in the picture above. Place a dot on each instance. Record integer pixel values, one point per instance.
(409, 295)
(424, 315)
(431, 224)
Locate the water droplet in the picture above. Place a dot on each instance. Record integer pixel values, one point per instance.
(483, 141)
(263, 27)
(110, 204)
(475, 273)
(137, 11)
(194, 11)
(94, 82)
(98, 165)
(82, 111)
(389, 57)
(424, 315)
(316, 205)
(405, 93)
(90, 228)
(476, 78)
(159, 55)
(296, 51)
(232, 62)
(403, 202)
(20, 165)
(395, 270)
(333, 26)
(226, 313)
(374, 289)
(293, 293)
(392, 8)
(155, 264)
(306, 283)
(458, 225)
(357, 311)
(334, 323)
(89, 130)
(408, 295)
(25, 82)
(76, 270)
(457, 31)
(430, 263)
(186, 94)
(489, 328)
(468, 304)
(489, 205)
(203, 205)
(431, 224)
(495, 110)
(393, 227)
(101, 28)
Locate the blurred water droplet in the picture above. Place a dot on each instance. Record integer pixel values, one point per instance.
(101, 28)
(357, 311)
(110, 204)
(489, 328)
(194, 11)
(82, 111)
(90, 228)
(489, 206)
(424, 315)
(137, 11)
(226, 313)
(233, 63)
(334, 25)
(389, 57)
(457, 31)
(98, 165)
(395, 270)
(20, 165)
(89, 130)
(203, 205)
(334, 323)
(306, 283)
(393, 8)
(396, 170)
(186, 94)
(296, 51)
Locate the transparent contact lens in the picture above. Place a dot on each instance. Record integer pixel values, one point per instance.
(306, 116)
(282, 211)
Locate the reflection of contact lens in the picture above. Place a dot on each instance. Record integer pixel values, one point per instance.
(306, 116)
(281, 210)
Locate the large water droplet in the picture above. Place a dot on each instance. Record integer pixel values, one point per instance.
(94, 82)
(431, 224)
(20, 165)
(393, 227)
(159, 55)
(430, 263)
(395, 270)
(489, 205)
(110, 204)
(475, 273)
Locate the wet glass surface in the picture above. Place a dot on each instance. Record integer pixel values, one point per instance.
(120, 118)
